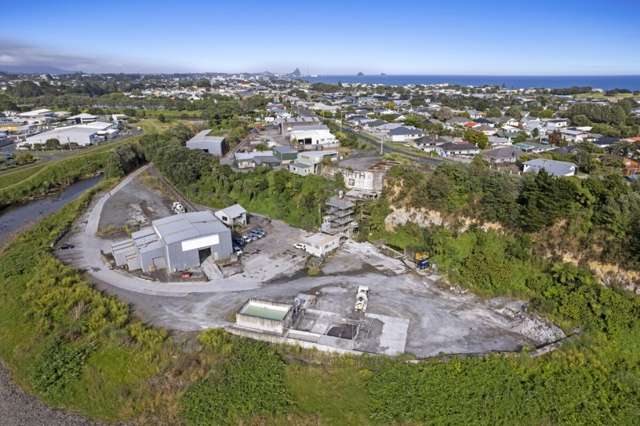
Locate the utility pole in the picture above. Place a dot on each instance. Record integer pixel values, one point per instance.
(382, 145)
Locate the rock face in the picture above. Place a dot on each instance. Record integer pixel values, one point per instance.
(425, 218)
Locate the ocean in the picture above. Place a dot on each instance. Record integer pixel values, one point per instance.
(629, 82)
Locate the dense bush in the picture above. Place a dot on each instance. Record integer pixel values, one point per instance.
(250, 382)
(58, 365)
(599, 215)
(277, 193)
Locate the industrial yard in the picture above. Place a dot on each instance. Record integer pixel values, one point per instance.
(405, 312)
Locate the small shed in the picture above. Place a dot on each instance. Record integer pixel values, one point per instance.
(234, 215)
(320, 245)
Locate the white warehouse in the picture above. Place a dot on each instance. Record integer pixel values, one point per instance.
(314, 137)
(81, 135)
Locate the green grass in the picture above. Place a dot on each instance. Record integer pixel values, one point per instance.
(17, 174)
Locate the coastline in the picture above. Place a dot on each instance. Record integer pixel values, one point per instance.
(604, 82)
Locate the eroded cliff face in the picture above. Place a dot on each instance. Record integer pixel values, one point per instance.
(425, 218)
(609, 274)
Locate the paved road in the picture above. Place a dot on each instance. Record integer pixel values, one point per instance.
(18, 408)
(390, 148)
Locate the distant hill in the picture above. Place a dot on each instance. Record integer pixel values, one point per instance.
(296, 73)
(33, 69)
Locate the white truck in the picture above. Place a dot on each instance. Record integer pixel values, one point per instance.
(362, 298)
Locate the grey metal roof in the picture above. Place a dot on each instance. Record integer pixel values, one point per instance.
(234, 211)
(553, 167)
(205, 141)
(186, 226)
(405, 131)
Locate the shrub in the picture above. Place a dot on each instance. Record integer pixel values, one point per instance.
(250, 382)
(58, 365)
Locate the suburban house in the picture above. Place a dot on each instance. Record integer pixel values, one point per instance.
(431, 143)
(405, 133)
(234, 215)
(175, 243)
(502, 155)
(552, 167)
(462, 149)
(363, 177)
(535, 148)
(605, 142)
(574, 135)
(214, 145)
(308, 162)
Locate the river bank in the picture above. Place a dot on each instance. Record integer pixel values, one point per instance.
(15, 219)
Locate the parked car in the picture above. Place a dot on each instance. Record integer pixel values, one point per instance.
(66, 246)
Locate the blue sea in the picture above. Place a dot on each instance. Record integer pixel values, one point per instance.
(630, 82)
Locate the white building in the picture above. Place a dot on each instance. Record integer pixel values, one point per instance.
(553, 167)
(320, 245)
(81, 135)
(314, 137)
(234, 215)
(308, 162)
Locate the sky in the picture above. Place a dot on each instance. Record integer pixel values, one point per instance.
(491, 37)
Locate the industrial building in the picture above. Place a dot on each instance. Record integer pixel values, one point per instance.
(313, 137)
(81, 135)
(339, 217)
(214, 145)
(175, 243)
(286, 154)
(265, 316)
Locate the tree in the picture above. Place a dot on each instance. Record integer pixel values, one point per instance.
(476, 138)
(580, 120)
(555, 138)
(494, 112)
(515, 112)
(52, 143)
(520, 137)
(23, 157)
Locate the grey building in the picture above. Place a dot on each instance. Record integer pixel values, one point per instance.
(214, 145)
(175, 243)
